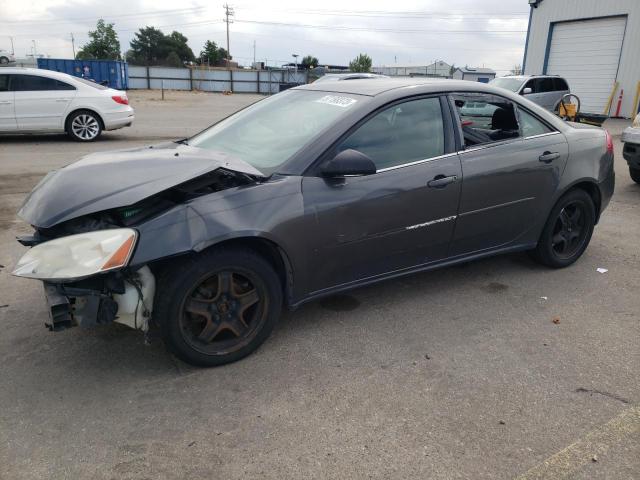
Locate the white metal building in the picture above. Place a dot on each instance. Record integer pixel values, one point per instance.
(592, 43)
(436, 69)
(484, 75)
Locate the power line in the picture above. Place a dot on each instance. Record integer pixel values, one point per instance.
(154, 13)
(367, 29)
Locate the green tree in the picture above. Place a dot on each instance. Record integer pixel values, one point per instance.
(177, 43)
(212, 54)
(309, 62)
(104, 43)
(173, 60)
(148, 47)
(362, 63)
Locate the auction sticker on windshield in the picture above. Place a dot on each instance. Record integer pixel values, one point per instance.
(337, 100)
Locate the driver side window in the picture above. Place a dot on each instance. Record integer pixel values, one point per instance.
(400, 134)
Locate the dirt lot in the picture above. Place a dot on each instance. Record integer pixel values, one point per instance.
(457, 373)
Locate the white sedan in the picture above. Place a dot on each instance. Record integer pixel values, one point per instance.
(38, 101)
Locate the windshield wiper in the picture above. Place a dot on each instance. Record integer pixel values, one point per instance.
(182, 142)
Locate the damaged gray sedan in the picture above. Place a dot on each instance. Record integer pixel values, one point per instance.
(313, 191)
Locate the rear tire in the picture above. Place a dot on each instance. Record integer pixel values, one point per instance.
(568, 230)
(4, 60)
(84, 126)
(219, 306)
(635, 174)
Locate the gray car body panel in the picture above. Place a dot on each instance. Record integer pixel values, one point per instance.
(335, 234)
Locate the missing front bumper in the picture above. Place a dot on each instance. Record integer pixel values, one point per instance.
(71, 309)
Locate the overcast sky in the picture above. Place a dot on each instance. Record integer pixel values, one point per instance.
(487, 33)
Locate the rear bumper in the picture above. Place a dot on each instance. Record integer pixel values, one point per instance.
(115, 120)
(607, 187)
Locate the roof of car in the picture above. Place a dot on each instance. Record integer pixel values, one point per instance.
(381, 85)
(35, 71)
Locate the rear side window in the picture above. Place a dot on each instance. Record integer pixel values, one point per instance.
(485, 118)
(35, 83)
(560, 84)
(400, 134)
(4, 83)
(530, 125)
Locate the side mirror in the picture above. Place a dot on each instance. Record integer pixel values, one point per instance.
(527, 91)
(349, 163)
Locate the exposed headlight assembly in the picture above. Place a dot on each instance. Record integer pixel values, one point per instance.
(78, 256)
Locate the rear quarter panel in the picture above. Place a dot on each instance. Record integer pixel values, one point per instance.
(588, 161)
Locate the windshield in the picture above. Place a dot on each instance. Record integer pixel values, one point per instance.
(271, 131)
(512, 84)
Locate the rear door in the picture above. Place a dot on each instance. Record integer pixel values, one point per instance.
(41, 102)
(397, 218)
(7, 113)
(511, 167)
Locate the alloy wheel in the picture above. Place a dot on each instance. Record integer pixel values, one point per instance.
(223, 312)
(85, 127)
(570, 230)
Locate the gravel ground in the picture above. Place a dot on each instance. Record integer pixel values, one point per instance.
(456, 373)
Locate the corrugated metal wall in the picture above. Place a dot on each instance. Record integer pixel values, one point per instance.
(213, 80)
(562, 10)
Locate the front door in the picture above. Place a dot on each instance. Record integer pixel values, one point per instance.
(7, 114)
(40, 102)
(511, 168)
(399, 217)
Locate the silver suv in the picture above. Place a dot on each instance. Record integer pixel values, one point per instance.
(545, 90)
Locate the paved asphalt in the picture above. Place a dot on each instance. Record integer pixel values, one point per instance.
(456, 373)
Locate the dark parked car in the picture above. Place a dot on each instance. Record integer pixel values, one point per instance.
(631, 149)
(313, 191)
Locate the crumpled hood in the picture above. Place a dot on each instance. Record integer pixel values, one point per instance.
(106, 180)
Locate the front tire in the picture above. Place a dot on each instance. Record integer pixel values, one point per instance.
(4, 60)
(219, 306)
(568, 230)
(84, 126)
(635, 174)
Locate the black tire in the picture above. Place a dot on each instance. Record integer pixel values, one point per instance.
(635, 174)
(566, 234)
(202, 326)
(84, 126)
(4, 60)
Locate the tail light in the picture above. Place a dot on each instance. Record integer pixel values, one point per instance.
(121, 99)
(609, 141)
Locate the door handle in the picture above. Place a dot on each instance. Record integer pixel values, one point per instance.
(6, 102)
(62, 100)
(441, 181)
(548, 157)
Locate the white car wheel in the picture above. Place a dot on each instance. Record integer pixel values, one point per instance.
(85, 127)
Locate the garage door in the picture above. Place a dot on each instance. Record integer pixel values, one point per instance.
(587, 54)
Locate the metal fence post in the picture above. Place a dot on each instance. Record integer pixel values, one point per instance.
(148, 79)
(191, 79)
(231, 79)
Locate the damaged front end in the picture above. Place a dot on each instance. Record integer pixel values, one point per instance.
(85, 218)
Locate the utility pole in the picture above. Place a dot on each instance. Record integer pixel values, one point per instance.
(73, 45)
(13, 52)
(254, 53)
(228, 11)
(35, 53)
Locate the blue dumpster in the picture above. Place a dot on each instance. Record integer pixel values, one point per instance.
(114, 72)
